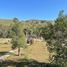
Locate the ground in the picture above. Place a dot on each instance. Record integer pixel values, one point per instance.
(5, 47)
(37, 51)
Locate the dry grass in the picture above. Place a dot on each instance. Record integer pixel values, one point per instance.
(5, 47)
(37, 51)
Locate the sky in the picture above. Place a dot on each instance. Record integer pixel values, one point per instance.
(31, 9)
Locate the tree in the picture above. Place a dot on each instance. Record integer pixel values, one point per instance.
(18, 38)
(56, 37)
(15, 20)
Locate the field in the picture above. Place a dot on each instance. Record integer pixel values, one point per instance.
(5, 46)
(5, 22)
(37, 51)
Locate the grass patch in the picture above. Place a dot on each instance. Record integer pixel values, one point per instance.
(37, 51)
(5, 47)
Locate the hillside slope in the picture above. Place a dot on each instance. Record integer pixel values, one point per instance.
(5, 22)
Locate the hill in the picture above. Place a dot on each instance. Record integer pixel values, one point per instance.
(10, 21)
(6, 22)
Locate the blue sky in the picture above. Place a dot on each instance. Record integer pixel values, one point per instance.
(31, 9)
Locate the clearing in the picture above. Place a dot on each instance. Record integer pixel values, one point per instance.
(5, 46)
(37, 51)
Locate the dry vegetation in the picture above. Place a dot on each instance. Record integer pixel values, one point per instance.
(5, 22)
(37, 51)
(5, 45)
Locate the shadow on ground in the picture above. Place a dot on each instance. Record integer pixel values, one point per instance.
(26, 63)
(6, 53)
(3, 53)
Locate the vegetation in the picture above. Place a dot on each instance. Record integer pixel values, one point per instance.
(55, 34)
(18, 37)
(56, 37)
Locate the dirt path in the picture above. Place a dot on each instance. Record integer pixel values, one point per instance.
(38, 51)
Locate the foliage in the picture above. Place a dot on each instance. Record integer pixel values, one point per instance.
(56, 37)
(18, 37)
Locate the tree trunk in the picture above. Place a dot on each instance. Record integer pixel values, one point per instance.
(18, 51)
